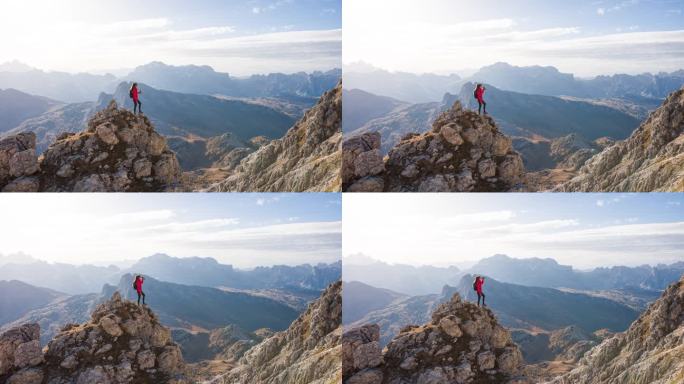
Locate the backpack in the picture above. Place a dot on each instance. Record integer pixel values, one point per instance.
(475, 285)
(134, 285)
(474, 93)
(130, 93)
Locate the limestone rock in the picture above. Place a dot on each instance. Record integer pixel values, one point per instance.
(309, 351)
(651, 159)
(117, 152)
(463, 343)
(463, 152)
(306, 159)
(650, 351)
(102, 350)
(361, 161)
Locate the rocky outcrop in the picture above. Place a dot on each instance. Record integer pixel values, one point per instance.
(651, 159)
(651, 351)
(464, 152)
(122, 343)
(19, 353)
(463, 343)
(307, 158)
(18, 163)
(117, 152)
(309, 351)
(362, 164)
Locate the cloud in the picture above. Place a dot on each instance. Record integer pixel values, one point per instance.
(263, 201)
(601, 11)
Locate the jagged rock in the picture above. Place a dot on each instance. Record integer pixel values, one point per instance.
(650, 351)
(117, 152)
(20, 348)
(464, 152)
(361, 353)
(122, 343)
(463, 343)
(361, 162)
(307, 158)
(309, 351)
(17, 157)
(651, 159)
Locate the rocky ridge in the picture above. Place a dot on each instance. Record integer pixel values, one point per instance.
(463, 343)
(463, 152)
(651, 351)
(306, 159)
(117, 152)
(307, 352)
(121, 343)
(651, 159)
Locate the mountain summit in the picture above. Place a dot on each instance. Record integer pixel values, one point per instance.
(464, 152)
(122, 343)
(463, 343)
(117, 152)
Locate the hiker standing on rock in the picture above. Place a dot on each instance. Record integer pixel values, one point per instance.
(479, 95)
(477, 286)
(137, 285)
(134, 93)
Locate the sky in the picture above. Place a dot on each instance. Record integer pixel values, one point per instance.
(240, 37)
(578, 229)
(242, 229)
(583, 37)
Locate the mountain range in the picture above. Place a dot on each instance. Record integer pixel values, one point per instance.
(538, 80)
(75, 88)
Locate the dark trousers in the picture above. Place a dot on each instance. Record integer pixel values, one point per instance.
(482, 295)
(141, 294)
(481, 104)
(137, 105)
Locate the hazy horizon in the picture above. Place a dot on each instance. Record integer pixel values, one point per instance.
(237, 37)
(586, 38)
(582, 230)
(246, 230)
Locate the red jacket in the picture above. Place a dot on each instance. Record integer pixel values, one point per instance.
(138, 285)
(135, 93)
(479, 94)
(478, 285)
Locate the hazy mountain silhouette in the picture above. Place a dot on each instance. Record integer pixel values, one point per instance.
(404, 86)
(204, 80)
(17, 298)
(402, 278)
(72, 279)
(361, 107)
(62, 86)
(16, 106)
(365, 299)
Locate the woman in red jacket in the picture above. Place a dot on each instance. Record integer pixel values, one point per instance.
(479, 282)
(479, 95)
(134, 93)
(137, 284)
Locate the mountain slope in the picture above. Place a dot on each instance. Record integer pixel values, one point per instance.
(18, 298)
(651, 159)
(309, 351)
(360, 107)
(183, 114)
(550, 117)
(16, 106)
(307, 158)
(363, 298)
(651, 351)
